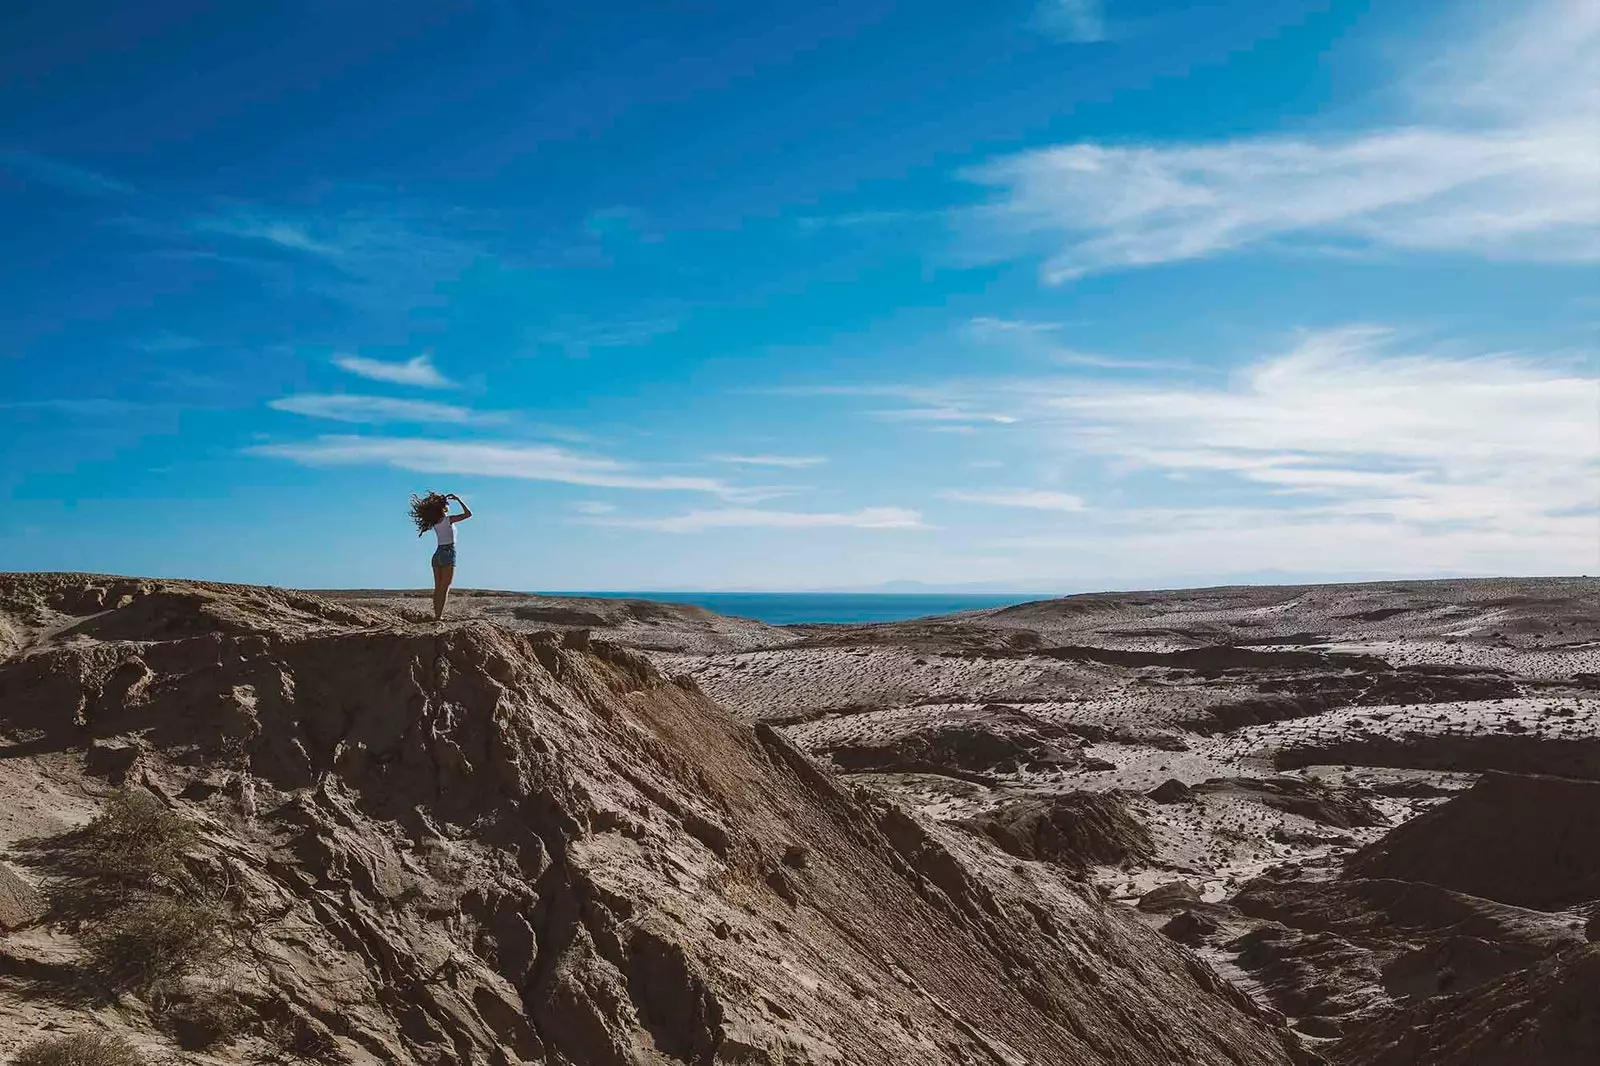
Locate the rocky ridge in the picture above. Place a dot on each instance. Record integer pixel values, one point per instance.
(467, 844)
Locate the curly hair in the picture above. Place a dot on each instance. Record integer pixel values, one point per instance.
(428, 510)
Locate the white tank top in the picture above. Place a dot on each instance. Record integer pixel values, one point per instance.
(445, 531)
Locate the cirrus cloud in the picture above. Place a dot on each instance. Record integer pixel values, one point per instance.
(1502, 164)
(531, 462)
(752, 518)
(790, 462)
(418, 371)
(345, 407)
(1031, 499)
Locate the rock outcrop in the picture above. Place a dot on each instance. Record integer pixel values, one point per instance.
(1076, 830)
(461, 844)
(1544, 1014)
(1528, 841)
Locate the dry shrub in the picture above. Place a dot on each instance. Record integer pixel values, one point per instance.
(80, 1049)
(293, 1039)
(153, 939)
(138, 842)
(202, 1020)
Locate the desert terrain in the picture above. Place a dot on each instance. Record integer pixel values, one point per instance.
(1342, 824)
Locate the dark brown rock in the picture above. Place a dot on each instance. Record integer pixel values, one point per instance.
(1544, 1014)
(1527, 841)
(1170, 896)
(1076, 830)
(112, 759)
(1187, 927)
(1171, 791)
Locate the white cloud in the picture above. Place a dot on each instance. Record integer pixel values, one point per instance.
(943, 407)
(1036, 340)
(1222, 541)
(752, 518)
(1494, 456)
(533, 462)
(399, 254)
(793, 462)
(987, 326)
(951, 413)
(1505, 167)
(1079, 21)
(1032, 499)
(594, 507)
(418, 371)
(341, 407)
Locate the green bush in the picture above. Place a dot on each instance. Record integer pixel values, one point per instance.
(152, 939)
(80, 1049)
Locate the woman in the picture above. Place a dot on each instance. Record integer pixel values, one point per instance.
(433, 512)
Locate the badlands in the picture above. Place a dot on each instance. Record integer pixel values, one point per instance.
(1356, 825)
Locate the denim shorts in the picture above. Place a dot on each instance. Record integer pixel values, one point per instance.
(444, 555)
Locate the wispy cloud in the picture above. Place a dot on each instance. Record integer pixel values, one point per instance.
(1038, 340)
(989, 326)
(1031, 499)
(1222, 543)
(532, 462)
(942, 414)
(87, 407)
(594, 507)
(165, 343)
(1079, 21)
(941, 407)
(1347, 426)
(376, 251)
(793, 462)
(580, 338)
(1504, 166)
(343, 407)
(750, 518)
(418, 371)
(284, 234)
(63, 176)
(864, 220)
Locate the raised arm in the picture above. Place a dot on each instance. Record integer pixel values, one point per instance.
(466, 512)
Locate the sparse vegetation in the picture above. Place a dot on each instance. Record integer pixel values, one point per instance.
(153, 939)
(80, 1049)
(143, 916)
(202, 1020)
(293, 1039)
(138, 842)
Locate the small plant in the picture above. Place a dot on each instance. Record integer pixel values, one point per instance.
(202, 1020)
(153, 939)
(80, 1049)
(292, 1039)
(138, 842)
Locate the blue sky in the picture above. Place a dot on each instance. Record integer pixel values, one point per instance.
(1019, 295)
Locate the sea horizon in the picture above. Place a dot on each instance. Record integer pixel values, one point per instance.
(822, 608)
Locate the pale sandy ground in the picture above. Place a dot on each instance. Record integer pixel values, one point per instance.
(852, 684)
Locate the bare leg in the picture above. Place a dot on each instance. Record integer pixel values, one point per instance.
(442, 576)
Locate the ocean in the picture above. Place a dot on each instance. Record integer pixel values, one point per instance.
(794, 608)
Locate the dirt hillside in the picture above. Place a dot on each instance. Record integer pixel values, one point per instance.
(273, 826)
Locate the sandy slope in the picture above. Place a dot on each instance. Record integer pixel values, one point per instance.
(461, 843)
(1214, 756)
